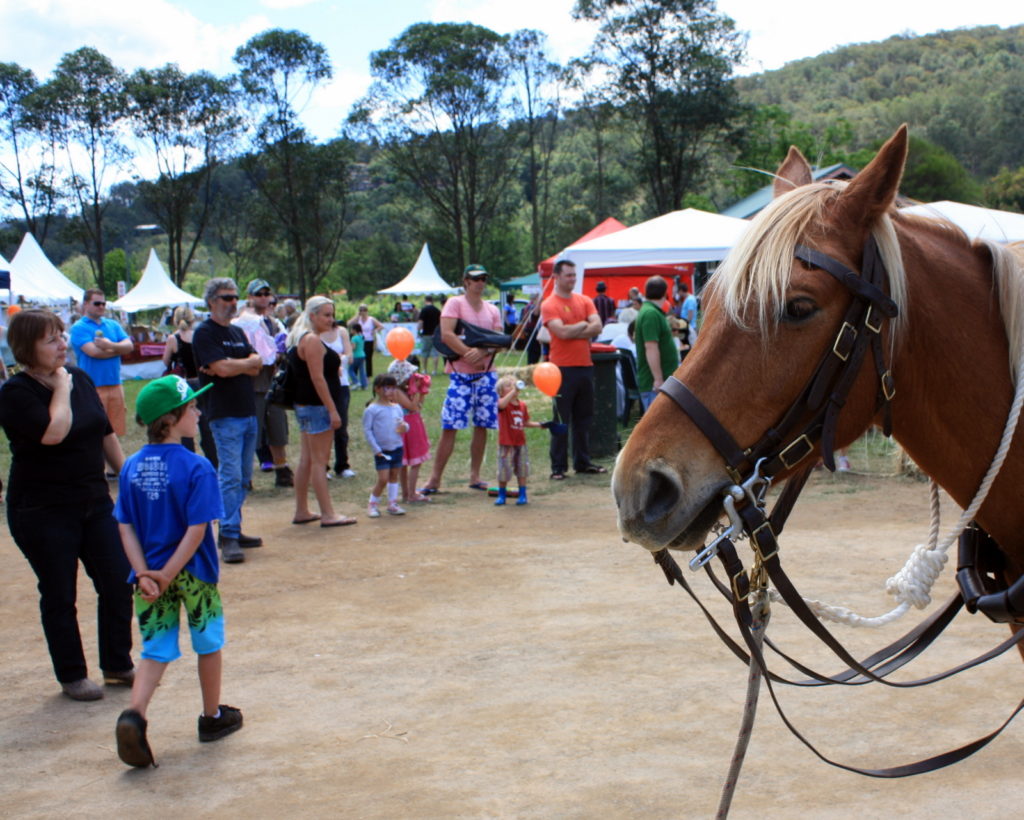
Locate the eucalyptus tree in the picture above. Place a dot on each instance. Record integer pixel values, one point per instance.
(438, 106)
(85, 104)
(28, 183)
(188, 122)
(304, 185)
(536, 97)
(669, 64)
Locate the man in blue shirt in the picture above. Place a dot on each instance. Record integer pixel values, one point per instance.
(99, 344)
(688, 311)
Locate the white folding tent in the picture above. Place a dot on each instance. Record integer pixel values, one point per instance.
(689, 235)
(423, 278)
(154, 290)
(977, 223)
(36, 279)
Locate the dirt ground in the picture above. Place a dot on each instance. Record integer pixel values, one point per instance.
(470, 661)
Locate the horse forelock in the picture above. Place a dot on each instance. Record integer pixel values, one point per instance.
(751, 282)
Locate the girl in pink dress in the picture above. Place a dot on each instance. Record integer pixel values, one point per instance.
(413, 387)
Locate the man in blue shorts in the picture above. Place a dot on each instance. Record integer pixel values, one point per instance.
(471, 398)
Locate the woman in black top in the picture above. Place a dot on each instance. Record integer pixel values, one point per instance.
(58, 505)
(317, 398)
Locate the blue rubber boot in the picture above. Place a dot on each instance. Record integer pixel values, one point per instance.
(500, 500)
(522, 497)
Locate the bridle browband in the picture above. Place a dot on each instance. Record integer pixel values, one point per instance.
(783, 446)
(809, 421)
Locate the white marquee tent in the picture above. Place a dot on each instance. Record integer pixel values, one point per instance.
(977, 223)
(423, 278)
(681, 236)
(36, 279)
(154, 290)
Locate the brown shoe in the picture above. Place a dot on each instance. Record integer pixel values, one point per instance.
(126, 678)
(132, 746)
(83, 689)
(283, 477)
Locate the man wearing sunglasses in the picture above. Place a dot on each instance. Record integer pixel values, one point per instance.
(99, 344)
(227, 361)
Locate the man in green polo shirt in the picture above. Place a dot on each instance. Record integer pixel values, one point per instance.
(657, 355)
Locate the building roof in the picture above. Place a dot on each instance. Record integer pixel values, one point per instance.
(749, 206)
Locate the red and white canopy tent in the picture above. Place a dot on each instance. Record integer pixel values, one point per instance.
(676, 238)
(618, 278)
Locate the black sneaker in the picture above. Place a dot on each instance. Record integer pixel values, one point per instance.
(230, 720)
(132, 746)
(231, 550)
(284, 477)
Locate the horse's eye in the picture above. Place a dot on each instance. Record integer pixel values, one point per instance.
(799, 309)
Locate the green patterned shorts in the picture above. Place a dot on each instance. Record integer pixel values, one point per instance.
(159, 621)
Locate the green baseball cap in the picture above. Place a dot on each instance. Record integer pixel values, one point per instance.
(473, 271)
(164, 395)
(258, 284)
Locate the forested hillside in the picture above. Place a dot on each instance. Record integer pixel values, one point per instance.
(962, 90)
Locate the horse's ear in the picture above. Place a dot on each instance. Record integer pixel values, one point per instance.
(794, 172)
(872, 192)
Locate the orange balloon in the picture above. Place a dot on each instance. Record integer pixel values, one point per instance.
(547, 378)
(13, 309)
(400, 343)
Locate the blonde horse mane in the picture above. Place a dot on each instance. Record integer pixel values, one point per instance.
(753, 279)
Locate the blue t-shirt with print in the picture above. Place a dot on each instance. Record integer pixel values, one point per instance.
(103, 372)
(164, 490)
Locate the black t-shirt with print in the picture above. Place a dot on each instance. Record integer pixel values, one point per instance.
(232, 397)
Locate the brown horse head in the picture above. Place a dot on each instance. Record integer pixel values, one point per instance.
(768, 319)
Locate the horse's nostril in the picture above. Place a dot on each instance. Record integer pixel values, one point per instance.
(662, 495)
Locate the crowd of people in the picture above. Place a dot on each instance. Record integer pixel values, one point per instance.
(156, 547)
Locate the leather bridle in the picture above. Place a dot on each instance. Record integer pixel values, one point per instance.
(811, 420)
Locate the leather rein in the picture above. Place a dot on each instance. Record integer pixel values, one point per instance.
(811, 420)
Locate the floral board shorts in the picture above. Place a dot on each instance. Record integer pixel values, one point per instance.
(159, 621)
(471, 399)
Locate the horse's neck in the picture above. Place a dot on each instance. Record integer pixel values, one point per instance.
(954, 389)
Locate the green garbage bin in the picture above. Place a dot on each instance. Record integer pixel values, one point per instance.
(604, 432)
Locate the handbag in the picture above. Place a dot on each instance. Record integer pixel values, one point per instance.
(284, 384)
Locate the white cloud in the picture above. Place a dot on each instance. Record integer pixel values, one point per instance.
(567, 38)
(143, 33)
(277, 5)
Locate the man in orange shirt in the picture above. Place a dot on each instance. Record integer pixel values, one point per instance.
(573, 321)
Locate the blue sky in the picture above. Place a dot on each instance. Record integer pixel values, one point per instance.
(205, 33)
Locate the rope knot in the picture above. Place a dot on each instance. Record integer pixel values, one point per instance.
(912, 584)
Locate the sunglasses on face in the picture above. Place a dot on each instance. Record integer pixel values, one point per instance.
(231, 297)
(477, 278)
(262, 293)
(99, 304)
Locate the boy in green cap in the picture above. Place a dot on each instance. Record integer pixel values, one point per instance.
(168, 499)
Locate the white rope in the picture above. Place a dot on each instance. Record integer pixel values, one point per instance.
(912, 585)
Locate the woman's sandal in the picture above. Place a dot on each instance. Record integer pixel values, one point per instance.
(558, 476)
(418, 498)
(305, 520)
(344, 521)
(592, 469)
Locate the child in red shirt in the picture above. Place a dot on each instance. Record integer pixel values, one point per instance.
(513, 457)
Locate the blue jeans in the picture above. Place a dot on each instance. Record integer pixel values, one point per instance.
(236, 448)
(357, 373)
